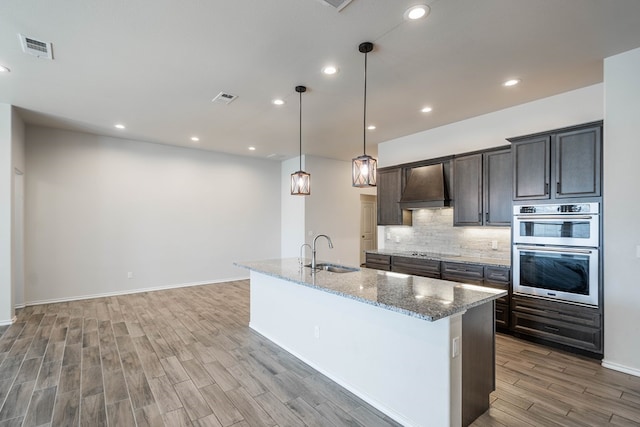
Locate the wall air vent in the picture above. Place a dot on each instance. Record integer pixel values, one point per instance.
(338, 4)
(36, 47)
(224, 98)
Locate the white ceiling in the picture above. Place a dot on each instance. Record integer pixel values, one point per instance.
(155, 65)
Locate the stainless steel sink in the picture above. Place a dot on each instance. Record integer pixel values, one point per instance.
(334, 268)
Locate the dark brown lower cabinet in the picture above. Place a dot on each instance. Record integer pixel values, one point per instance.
(378, 261)
(478, 361)
(416, 266)
(475, 274)
(464, 273)
(569, 325)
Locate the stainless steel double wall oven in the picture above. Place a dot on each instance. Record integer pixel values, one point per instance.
(556, 251)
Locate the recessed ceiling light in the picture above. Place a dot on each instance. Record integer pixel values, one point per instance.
(330, 70)
(511, 82)
(4, 69)
(416, 12)
(195, 139)
(278, 102)
(427, 110)
(119, 126)
(371, 127)
(252, 148)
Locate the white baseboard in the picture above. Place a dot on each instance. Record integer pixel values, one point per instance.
(621, 368)
(134, 291)
(8, 322)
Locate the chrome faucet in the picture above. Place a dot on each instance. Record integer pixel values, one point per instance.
(313, 250)
(301, 252)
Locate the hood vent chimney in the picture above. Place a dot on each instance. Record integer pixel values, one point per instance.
(426, 188)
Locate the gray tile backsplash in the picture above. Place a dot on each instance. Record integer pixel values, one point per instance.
(433, 231)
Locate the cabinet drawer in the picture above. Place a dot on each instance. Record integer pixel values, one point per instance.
(570, 313)
(467, 273)
(497, 274)
(502, 314)
(379, 262)
(421, 267)
(570, 334)
(376, 266)
(379, 259)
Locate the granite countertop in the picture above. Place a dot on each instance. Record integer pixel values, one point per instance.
(496, 262)
(421, 297)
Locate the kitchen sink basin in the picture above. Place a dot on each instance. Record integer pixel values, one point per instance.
(334, 268)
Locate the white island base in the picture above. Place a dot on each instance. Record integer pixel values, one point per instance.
(402, 365)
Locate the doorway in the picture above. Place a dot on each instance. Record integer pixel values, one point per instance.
(368, 225)
(18, 240)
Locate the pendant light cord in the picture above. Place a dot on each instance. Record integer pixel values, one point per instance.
(300, 131)
(364, 120)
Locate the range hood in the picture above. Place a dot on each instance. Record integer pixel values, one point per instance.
(426, 188)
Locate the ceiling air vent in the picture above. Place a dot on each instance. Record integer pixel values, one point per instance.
(36, 47)
(224, 98)
(338, 4)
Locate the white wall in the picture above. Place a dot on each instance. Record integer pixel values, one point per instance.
(292, 207)
(490, 130)
(99, 207)
(333, 208)
(6, 187)
(621, 207)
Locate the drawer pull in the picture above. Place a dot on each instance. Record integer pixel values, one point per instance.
(552, 329)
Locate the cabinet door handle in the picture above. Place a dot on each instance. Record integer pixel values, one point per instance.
(552, 329)
(558, 187)
(486, 217)
(479, 216)
(546, 188)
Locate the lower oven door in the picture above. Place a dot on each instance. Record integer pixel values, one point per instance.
(563, 273)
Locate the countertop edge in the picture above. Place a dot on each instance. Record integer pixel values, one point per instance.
(496, 294)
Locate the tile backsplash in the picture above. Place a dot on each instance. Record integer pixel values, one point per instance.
(433, 231)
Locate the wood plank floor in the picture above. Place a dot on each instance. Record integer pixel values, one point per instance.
(186, 357)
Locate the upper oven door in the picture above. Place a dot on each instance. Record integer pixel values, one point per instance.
(557, 229)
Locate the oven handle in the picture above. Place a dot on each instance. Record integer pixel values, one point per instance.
(548, 249)
(564, 217)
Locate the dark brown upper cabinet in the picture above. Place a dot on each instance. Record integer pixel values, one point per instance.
(565, 163)
(482, 185)
(390, 186)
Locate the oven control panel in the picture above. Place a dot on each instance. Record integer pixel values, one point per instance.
(592, 208)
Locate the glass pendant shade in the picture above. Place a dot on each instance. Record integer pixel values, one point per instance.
(363, 171)
(300, 183)
(300, 180)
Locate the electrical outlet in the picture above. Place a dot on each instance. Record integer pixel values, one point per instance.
(638, 251)
(494, 245)
(397, 239)
(388, 236)
(130, 275)
(316, 331)
(455, 347)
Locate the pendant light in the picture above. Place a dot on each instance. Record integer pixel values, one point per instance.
(300, 180)
(364, 168)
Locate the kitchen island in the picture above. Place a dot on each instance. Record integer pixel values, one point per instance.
(397, 341)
